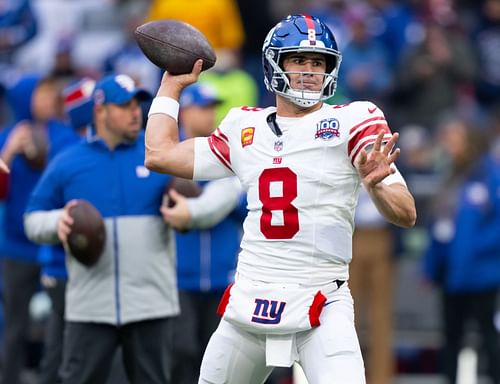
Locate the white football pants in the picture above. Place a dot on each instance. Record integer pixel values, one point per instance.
(328, 354)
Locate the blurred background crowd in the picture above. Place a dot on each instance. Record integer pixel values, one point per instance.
(433, 66)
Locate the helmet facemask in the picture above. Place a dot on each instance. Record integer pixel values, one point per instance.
(280, 80)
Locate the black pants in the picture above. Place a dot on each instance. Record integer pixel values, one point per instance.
(20, 283)
(193, 328)
(89, 349)
(54, 332)
(458, 309)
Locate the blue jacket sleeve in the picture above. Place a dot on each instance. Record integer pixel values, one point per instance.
(48, 193)
(435, 257)
(488, 221)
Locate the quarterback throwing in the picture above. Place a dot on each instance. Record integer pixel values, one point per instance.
(302, 164)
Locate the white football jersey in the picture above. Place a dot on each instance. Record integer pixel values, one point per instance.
(302, 187)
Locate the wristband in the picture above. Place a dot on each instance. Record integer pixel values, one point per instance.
(164, 105)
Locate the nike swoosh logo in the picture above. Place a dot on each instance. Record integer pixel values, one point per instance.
(329, 302)
(371, 110)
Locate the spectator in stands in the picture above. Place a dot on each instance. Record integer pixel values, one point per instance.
(365, 63)
(486, 42)
(128, 58)
(463, 258)
(393, 23)
(18, 25)
(431, 75)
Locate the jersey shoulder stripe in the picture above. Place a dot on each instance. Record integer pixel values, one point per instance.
(219, 145)
(365, 130)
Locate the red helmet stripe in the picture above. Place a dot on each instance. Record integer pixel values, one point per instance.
(309, 22)
(310, 26)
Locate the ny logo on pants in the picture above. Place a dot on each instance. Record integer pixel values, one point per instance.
(268, 311)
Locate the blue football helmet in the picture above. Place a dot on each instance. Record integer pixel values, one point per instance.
(300, 33)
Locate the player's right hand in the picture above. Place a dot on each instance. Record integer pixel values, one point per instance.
(375, 166)
(65, 222)
(172, 85)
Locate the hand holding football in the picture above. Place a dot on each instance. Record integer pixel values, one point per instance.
(174, 46)
(185, 187)
(88, 235)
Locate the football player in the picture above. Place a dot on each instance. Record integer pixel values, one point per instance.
(302, 164)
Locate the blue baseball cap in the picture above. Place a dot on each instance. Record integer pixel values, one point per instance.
(197, 94)
(78, 103)
(118, 89)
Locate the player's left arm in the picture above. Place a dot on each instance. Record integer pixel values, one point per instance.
(391, 197)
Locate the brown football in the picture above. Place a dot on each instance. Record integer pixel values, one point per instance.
(174, 45)
(187, 188)
(88, 234)
(36, 152)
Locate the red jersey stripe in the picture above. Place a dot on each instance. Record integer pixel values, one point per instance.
(366, 142)
(221, 150)
(377, 118)
(368, 131)
(356, 153)
(222, 135)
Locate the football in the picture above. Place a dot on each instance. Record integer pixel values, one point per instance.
(35, 152)
(88, 235)
(174, 45)
(187, 188)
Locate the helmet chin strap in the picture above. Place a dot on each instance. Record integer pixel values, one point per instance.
(303, 98)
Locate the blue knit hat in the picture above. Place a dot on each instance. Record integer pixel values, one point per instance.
(78, 103)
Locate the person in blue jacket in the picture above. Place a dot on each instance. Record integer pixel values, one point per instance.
(129, 297)
(206, 257)
(35, 103)
(18, 25)
(463, 256)
(78, 107)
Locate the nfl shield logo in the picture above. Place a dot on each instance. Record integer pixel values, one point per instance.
(278, 145)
